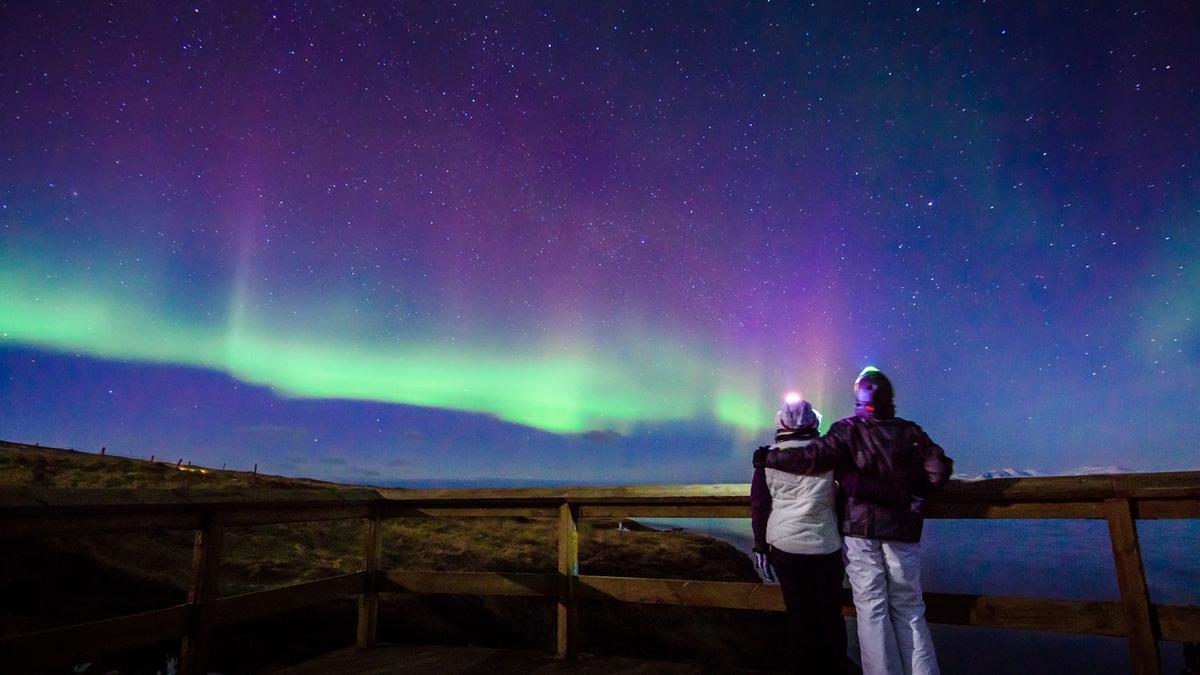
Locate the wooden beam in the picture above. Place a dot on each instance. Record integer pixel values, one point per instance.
(1182, 484)
(636, 510)
(31, 512)
(1165, 509)
(31, 501)
(237, 608)
(470, 583)
(1039, 614)
(1178, 624)
(1140, 629)
(368, 601)
(285, 514)
(1013, 510)
(70, 645)
(728, 594)
(402, 511)
(204, 590)
(567, 614)
(79, 524)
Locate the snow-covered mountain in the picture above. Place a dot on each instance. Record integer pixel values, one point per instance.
(1033, 473)
(1096, 470)
(998, 473)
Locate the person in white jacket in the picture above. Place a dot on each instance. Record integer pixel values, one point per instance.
(796, 538)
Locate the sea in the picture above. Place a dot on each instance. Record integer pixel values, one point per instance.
(1066, 559)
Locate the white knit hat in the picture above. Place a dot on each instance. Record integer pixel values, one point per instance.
(796, 413)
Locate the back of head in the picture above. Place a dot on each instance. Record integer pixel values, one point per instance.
(873, 396)
(796, 419)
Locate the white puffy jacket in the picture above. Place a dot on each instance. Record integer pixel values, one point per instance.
(803, 516)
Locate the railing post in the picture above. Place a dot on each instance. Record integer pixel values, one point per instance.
(1140, 629)
(1191, 658)
(204, 589)
(568, 569)
(368, 601)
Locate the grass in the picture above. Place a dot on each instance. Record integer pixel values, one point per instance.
(272, 555)
(118, 574)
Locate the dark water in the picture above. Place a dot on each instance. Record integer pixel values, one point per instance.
(1069, 559)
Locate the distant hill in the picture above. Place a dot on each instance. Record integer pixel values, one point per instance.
(24, 465)
(119, 574)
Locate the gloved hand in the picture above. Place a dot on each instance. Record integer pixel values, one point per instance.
(763, 564)
(760, 457)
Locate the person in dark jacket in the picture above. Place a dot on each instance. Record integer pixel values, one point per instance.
(882, 540)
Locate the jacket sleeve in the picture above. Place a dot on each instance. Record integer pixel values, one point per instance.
(869, 489)
(936, 465)
(760, 508)
(824, 454)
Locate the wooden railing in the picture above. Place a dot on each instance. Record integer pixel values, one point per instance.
(1121, 500)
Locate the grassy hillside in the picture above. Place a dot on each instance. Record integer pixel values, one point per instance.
(124, 573)
(23, 465)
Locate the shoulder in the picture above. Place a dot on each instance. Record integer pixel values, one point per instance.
(904, 424)
(913, 430)
(842, 426)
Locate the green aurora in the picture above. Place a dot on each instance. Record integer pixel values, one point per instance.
(556, 388)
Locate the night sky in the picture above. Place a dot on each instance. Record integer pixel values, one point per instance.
(596, 242)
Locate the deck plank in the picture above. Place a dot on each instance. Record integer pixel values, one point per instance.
(449, 660)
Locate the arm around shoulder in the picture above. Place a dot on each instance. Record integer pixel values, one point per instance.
(822, 455)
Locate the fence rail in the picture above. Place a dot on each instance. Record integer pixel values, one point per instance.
(1121, 500)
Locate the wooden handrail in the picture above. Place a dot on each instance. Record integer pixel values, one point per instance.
(25, 500)
(1120, 500)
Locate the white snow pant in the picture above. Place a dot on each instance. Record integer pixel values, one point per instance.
(892, 634)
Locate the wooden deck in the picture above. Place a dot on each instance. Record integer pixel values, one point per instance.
(414, 659)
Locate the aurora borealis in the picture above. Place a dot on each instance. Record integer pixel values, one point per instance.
(355, 240)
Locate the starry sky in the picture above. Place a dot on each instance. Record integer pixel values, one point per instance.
(596, 242)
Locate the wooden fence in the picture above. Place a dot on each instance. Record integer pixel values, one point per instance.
(1121, 500)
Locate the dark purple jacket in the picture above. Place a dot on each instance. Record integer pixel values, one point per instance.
(891, 451)
(849, 484)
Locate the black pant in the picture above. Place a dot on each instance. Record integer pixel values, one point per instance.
(812, 594)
